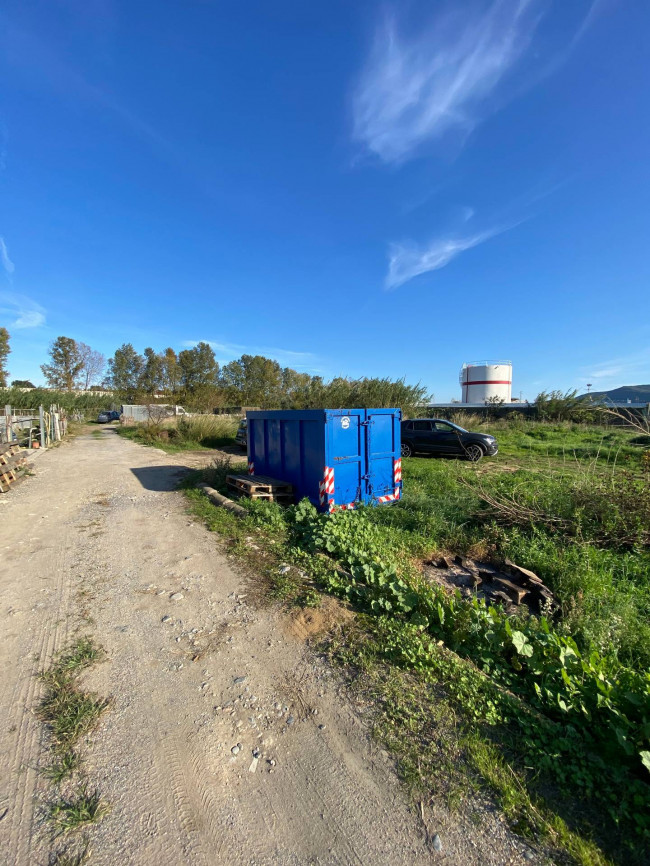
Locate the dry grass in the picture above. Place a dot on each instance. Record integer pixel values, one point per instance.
(181, 434)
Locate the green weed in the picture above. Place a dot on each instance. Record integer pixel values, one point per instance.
(79, 655)
(64, 764)
(68, 711)
(72, 813)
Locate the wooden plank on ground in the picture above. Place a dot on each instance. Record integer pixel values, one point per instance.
(516, 592)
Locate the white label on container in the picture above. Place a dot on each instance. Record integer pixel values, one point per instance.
(345, 422)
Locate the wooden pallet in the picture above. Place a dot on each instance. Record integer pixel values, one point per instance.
(15, 459)
(12, 457)
(261, 487)
(280, 498)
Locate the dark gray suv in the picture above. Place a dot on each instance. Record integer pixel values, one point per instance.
(436, 436)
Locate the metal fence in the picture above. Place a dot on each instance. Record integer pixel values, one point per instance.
(33, 427)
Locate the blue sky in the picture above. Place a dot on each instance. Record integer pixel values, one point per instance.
(358, 188)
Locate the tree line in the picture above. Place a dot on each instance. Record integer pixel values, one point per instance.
(194, 378)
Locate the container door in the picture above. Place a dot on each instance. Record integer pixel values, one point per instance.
(348, 455)
(383, 448)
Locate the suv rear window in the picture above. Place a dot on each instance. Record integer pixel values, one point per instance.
(422, 426)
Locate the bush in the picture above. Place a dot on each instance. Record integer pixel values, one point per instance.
(559, 406)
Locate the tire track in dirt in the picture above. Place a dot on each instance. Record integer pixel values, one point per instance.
(25, 833)
(24, 771)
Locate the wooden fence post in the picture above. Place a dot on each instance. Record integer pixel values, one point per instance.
(41, 417)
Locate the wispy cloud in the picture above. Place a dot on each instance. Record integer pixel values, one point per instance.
(408, 259)
(234, 350)
(25, 312)
(607, 372)
(625, 370)
(416, 88)
(596, 9)
(7, 264)
(44, 61)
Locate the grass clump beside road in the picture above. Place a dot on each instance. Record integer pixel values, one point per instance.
(71, 813)
(62, 766)
(184, 434)
(552, 713)
(70, 713)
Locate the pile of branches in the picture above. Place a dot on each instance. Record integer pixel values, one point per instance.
(605, 512)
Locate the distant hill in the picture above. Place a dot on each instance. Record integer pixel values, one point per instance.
(635, 393)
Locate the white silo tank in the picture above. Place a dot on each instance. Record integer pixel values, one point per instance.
(485, 381)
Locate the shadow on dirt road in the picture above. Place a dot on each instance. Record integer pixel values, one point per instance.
(160, 478)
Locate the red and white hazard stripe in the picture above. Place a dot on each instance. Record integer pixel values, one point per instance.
(397, 480)
(326, 489)
(349, 507)
(326, 486)
(251, 467)
(391, 497)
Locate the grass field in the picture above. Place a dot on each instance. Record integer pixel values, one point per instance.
(551, 715)
(587, 476)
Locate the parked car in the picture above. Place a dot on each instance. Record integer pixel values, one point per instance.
(107, 417)
(241, 437)
(436, 436)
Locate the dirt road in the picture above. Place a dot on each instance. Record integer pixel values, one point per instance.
(100, 533)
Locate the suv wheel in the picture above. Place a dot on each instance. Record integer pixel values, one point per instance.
(473, 452)
(407, 450)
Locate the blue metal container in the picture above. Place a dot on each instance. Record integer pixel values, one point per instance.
(335, 457)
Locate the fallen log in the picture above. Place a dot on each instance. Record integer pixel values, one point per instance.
(222, 501)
